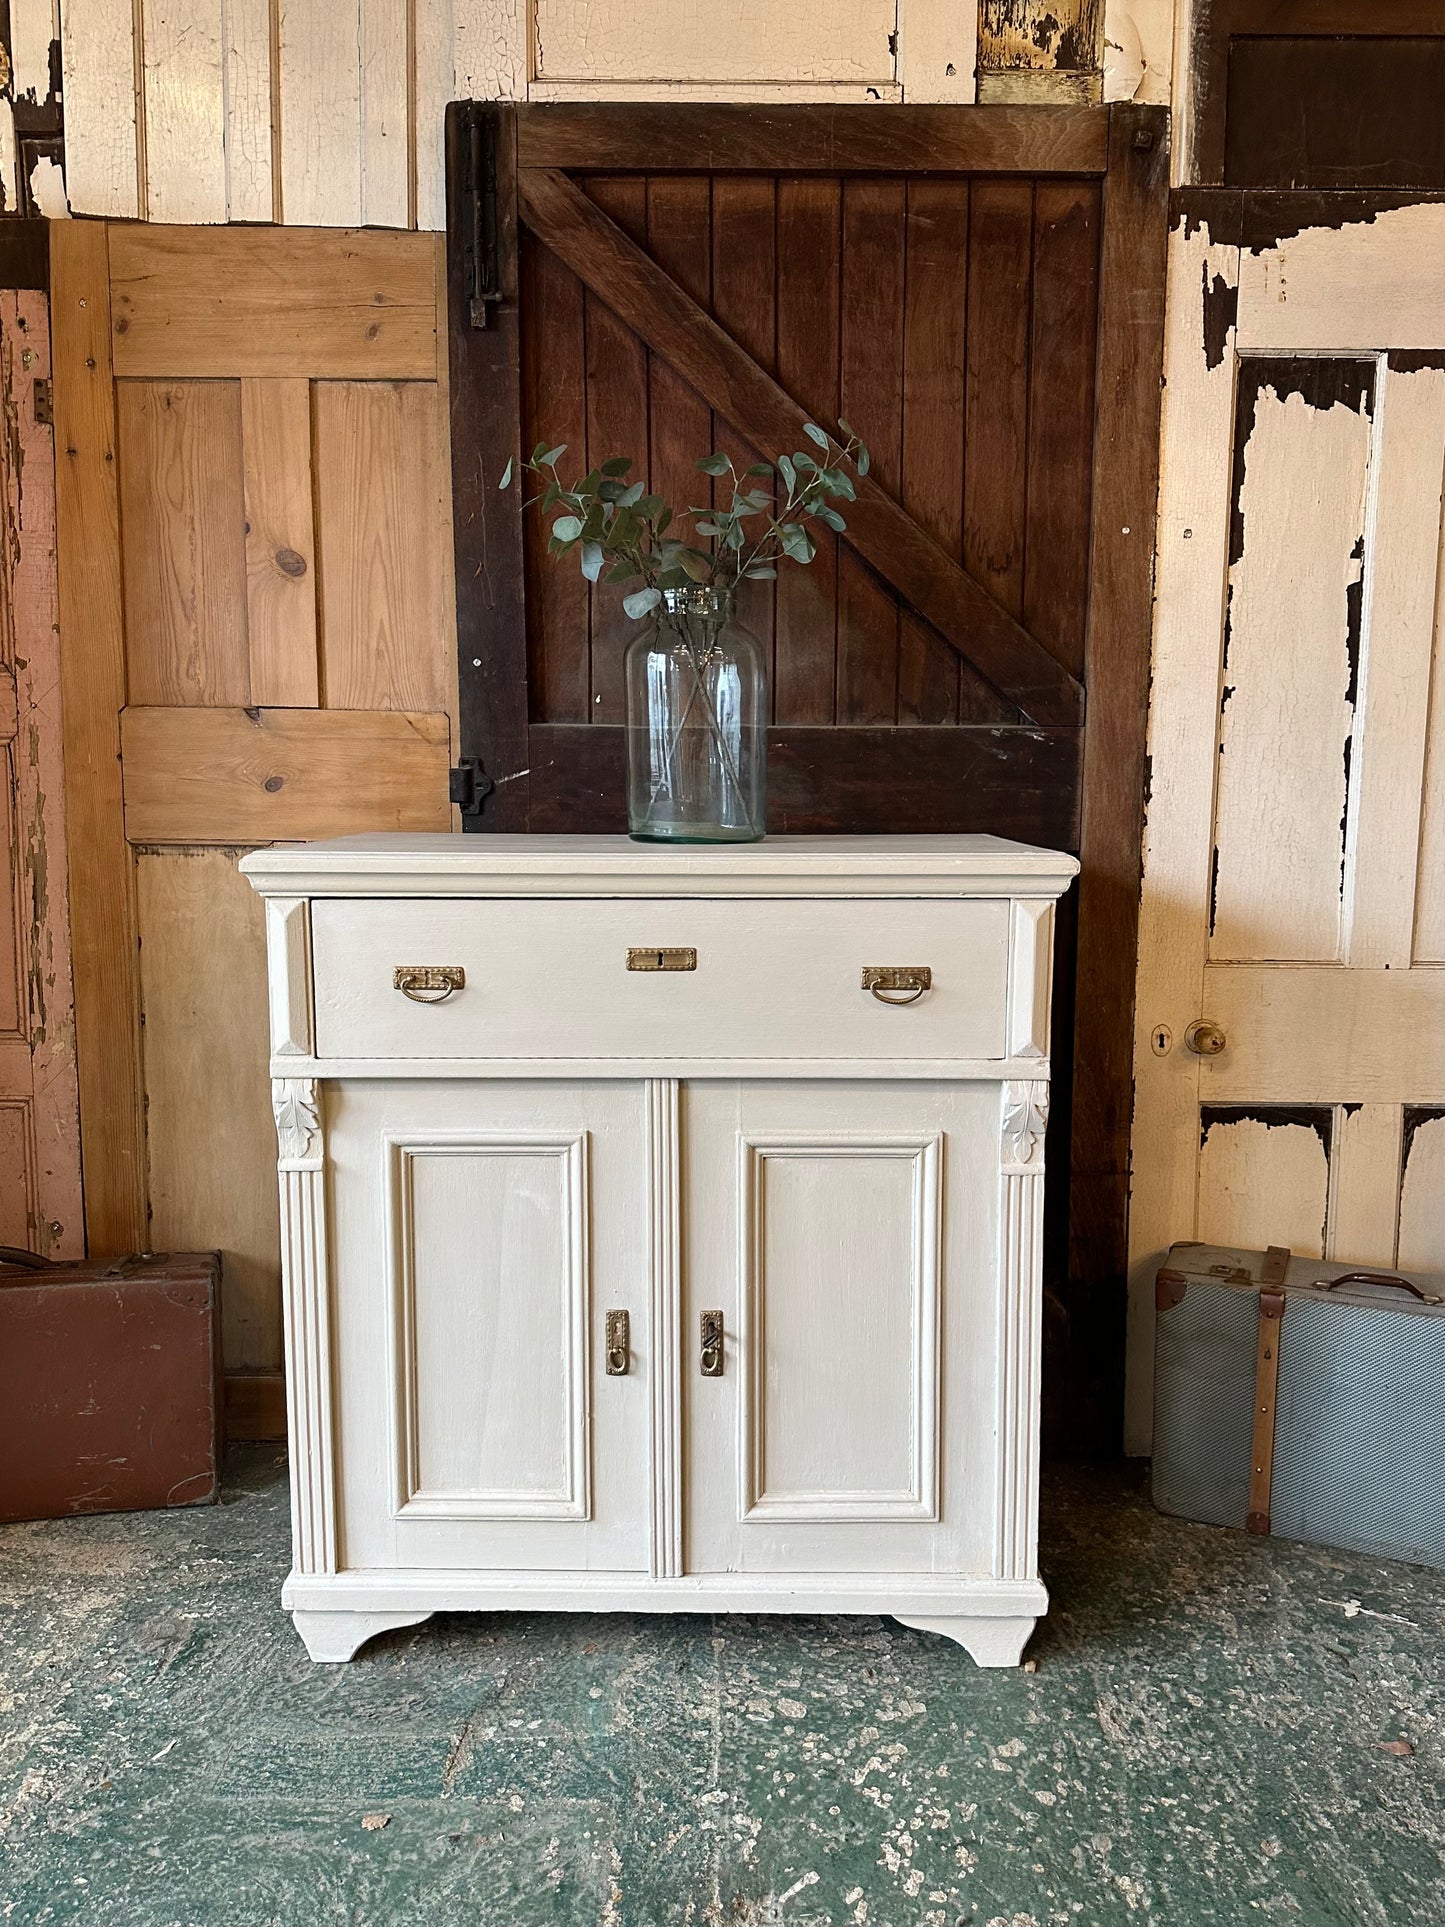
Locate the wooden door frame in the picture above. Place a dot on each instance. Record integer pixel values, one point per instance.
(1124, 146)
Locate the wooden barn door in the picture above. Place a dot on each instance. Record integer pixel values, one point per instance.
(1295, 869)
(978, 292)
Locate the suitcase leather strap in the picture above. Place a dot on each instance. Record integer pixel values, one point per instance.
(1266, 1383)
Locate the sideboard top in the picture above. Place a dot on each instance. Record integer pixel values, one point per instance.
(508, 866)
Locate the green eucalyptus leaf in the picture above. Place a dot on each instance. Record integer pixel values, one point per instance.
(710, 527)
(788, 472)
(846, 428)
(758, 469)
(833, 519)
(735, 537)
(630, 497)
(664, 515)
(641, 601)
(714, 464)
(804, 462)
(696, 565)
(622, 571)
(592, 560)
(617, 465)
(507, 473)
(554, 455)
(861, 463)
(566, 528)
(760, 574)
(815, 434)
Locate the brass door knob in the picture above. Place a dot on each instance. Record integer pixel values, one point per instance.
(1204, 1039)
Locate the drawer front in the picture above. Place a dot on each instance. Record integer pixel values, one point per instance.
(549, 979)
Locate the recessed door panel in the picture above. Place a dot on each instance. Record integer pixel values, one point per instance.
(846, 1234)
(482, 1232)
(839, 1334)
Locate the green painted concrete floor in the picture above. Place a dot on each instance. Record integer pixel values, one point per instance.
(1218, 1730)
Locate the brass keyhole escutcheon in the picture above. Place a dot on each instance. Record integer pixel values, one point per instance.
(619, 1344)
(1204, 1038)
(712, 1344)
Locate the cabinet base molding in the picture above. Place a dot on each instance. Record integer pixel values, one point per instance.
(990, 1642)
(334, 1637)
(337, 1613)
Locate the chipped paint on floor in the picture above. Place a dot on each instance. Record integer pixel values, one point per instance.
(1220, 1730)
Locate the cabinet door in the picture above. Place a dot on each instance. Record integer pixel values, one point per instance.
(481, 1232)
(846, 1232)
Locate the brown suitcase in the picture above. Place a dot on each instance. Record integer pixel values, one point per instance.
(109, 1385)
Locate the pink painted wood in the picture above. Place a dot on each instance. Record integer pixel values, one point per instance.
(40, 1194)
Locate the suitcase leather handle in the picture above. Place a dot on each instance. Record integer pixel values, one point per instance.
(1379, 1278)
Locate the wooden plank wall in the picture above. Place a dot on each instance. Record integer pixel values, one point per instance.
(330, 112)
(259, 644)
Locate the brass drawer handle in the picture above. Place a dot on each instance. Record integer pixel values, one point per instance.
(428, 983)
(679, 957)
(884, 980)
(711, 1360)
(619, 1344)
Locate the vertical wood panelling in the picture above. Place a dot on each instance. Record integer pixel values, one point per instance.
(1421, 1237)
(1366, 1184)
(870, 394)
(250, 179)
(319, 87)
(185, 546)
(385, 56)
(434, 58)
(280, 542)
(185, 109)
(1429, 939)
(1000, 247)
(744, 291)
(617, 378)
(107, 990)
(1061, 397)
(1393, 699)
(554, 378)
(1302, 453)
(809, 220)
(384, 586)
(102, 165)
(935, 318)
(211, 1168)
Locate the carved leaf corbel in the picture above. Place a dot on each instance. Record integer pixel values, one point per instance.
(1025, 1119)
(298, 1126)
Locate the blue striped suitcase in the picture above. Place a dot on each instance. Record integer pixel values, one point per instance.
(1301, 1398)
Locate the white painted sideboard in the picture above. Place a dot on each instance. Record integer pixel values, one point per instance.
(526, 1084)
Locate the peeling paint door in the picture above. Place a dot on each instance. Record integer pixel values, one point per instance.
(40, 1198)
(1290, 1046)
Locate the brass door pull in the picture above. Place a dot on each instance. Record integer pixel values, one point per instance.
(619, 1344)
(428, 983)
(711, 1359)
(897, 983)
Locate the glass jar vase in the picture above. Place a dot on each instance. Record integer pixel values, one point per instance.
(696, 723)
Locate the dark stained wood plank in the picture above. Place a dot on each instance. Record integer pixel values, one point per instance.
(1131, 332)
(999, 250)
(554, 409)
(856, 782)
(935, 329)
(616, 425)
(680, 424)
(870, 397)
(486, 427)
(1061, 415)
(809, 216)
(744, 301)
(966, 615)
(820, 139)
(1312, 111)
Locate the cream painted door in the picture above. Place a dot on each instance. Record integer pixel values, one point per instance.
(845, 1233)
(481, 1234)
(1294, 893)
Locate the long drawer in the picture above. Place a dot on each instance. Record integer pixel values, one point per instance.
(774, 978)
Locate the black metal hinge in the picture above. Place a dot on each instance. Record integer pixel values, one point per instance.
(482, 268)
(44, 401)
(470, 786)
